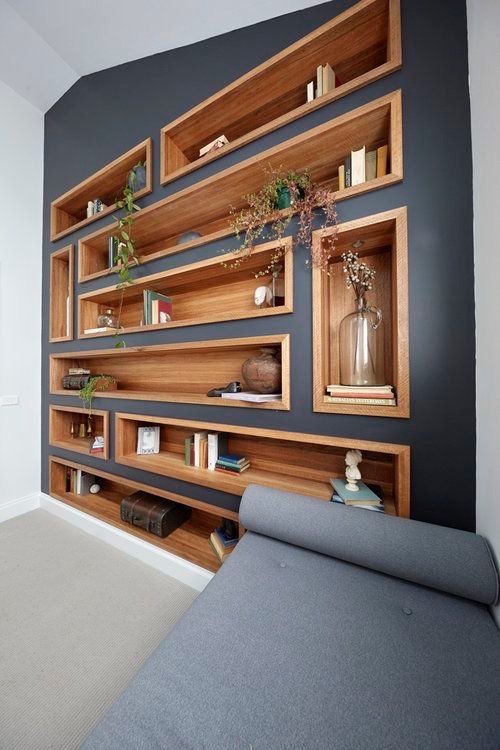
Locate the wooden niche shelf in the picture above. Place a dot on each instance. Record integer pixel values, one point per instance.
(61, 295)
(205, 206)
(362, 45)
(382, 241)
(293, 461)
(67, 422)
(182, 372)
(69, 211)
(202, 292)
(189, 541)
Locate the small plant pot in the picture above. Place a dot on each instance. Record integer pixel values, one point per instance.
(283, 198)
(139, 183)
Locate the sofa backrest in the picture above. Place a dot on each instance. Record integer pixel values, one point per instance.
(450, 560)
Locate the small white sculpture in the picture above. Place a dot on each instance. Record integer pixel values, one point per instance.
(352, 473)
(263, 296)
(95, 488)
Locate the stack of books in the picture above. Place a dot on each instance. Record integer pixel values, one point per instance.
(326, 80)
(363, 165)
(364, 498)
(95, 207)
(97, 444)
(148, 440)
(78, 481)
(365, 395)
(157, 308)
(196, 450)
(223, 540)
(230, 463)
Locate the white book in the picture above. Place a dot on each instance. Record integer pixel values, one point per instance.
(358, 166)
(319, 81)
(254, 396)
(310, 91)
(103, 329)
(357, 388)
(213, 445)
(197, 440)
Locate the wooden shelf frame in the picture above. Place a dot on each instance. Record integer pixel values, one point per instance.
(60, 419)
(295, 461)
(69, 212)
(385, 248)
(181, 373)
(206, 206)
(61, 295)
(189, 541)
(362, 44)
(202, 292)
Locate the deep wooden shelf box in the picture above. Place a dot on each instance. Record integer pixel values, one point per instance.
(189, 541)
(294, 461)
(202, 292)
(61, 418)
(205, 206)
(362, 45)
(69, 212)
(61, 295)
(182, 372)
(385, 249)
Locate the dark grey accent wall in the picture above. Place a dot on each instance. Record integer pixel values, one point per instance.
(108, 112)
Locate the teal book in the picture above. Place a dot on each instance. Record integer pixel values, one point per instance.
(364, 495)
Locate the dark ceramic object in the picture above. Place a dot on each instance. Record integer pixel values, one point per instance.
(140, 178)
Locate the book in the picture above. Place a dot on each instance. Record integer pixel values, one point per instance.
(363, 496)
(355, 388)
(204, 453)
(198, 436)
(219, 550)
(347, 171)
(148, 440)
(360, 393)
(341, 177)
(188, 445)
(214, 145)
(253, 396)
(97, 445)
(102, 329)
(233, 458)
(328, 78)
(382, 154)
(358, 175)
(78, 371)
(310, 91)
(84, 482)
(360, 401)
(224, 539)
(227, 470)
(371, 165)
(319, 81)
(236, 467)
(217, 444)
(157, 308)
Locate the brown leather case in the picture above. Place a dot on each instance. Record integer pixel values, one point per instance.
(153, 514)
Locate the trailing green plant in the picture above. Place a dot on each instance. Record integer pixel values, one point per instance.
(262, 220)
(86, 393)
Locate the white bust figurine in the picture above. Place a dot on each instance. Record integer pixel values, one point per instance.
(352, 473)
(263, 296)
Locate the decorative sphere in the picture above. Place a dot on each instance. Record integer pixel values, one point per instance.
(95, 488)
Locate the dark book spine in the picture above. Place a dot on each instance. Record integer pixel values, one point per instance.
(347, 167)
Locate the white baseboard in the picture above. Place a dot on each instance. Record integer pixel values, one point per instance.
(172, 565)
(19, 506)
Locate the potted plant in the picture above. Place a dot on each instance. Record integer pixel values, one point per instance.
(125, 256)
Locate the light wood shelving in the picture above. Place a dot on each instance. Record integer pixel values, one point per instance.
(62, 417)
(181, 373)
(61, 295)
(189, 541)
(205, 206)
(293, 461)
(385, 248)
(69, 212)
(362, 45)
(202, 292)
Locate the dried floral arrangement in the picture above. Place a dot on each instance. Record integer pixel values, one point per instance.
(263, 220)
(359, 274)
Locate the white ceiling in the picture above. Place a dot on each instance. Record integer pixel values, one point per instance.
(46, 45)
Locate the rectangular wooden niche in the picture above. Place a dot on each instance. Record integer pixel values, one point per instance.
(61, 435)
(293, 461)
(202, 292)
(61, 295)
(385, 248)
(362, 45)
(183, 372)
(69, 212)
(205, 207)
(189, 541)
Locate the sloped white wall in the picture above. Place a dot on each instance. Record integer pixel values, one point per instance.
(484, 74)
(21, 182)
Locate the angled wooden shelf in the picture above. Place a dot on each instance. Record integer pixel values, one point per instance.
(181, 373)
(69, 212)
(202, 292)
(205, 206)
(362, 45)
(189, 541)
(61, 295)
(284, 460)
(62, 417)
(385, 248)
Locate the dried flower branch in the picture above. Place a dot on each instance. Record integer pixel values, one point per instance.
(359, 274)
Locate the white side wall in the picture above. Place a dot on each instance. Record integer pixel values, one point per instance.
(484, 74)
(21, 181)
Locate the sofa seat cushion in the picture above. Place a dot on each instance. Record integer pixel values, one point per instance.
(290, 648)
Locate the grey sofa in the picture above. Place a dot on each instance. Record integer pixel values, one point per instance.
(328, 627)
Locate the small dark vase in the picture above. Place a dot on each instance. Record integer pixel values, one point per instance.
(262, 373)
(139, 183)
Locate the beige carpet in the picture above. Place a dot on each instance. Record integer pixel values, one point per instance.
(77, 620)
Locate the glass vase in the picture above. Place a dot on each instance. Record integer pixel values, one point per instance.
(361, 344)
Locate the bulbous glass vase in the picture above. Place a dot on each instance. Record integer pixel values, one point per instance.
(361, 344)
